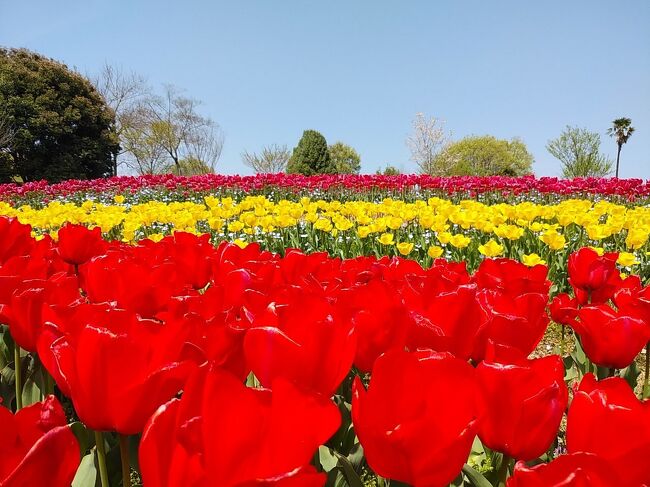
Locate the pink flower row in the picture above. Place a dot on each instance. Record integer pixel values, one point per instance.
(628, 188)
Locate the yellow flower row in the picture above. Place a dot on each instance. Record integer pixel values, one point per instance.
(452, 224)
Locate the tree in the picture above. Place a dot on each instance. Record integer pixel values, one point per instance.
(272, 159)
(486, 156)
(389, 171)
(189, 167)
(426, 143)
(61, 126)
(621, 129)
(124, 93)
(346, 160)
(160, 132)
(579, 152)
(311, 156)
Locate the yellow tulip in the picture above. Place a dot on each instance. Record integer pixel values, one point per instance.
(627, 259)
(532, 260)
(491, 249)
(434, 251)
(405, 248)
(386, 239)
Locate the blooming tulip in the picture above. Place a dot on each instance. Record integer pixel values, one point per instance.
(511, 277)
(37, 447)
(117, 371)
(77, 244)
(223, 433)
(572, 470)
(609, 338)
(304, 341)
(449, 323)
(417, 421)
(607, 419)
(594, 278)
(521, 403)
(518, 322)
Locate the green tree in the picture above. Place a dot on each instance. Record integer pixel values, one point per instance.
(61, 127)
(621, 129)
(346, 160)
(389, 171)
(579, 152)
(188, 167)
(311, 156)
(486, 156)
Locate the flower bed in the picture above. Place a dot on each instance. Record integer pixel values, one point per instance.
(231, 366)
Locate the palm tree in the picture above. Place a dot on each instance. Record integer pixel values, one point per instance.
(621, 129)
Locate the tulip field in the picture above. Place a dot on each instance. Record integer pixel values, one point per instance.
(328, 331)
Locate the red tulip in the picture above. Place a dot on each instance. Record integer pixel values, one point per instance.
(515, 322)
(609, 338)
(116, 367)
(564, 310)
(380, 318)
(37, 447)
(607, 419)
(223, 433)
(449, 323)
(594, 278)
(417, 421)
(23, 314)
(77, 244)
(15, 239)
(521, 403)
(573, 470)
(511, 277)
(304, 341)
(133, 282)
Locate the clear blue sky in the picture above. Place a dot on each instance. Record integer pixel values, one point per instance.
(358, 70)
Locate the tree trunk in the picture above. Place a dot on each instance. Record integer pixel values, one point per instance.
(618, 158)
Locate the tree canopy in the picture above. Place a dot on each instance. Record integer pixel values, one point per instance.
(578, 150)
(485, 156)
(311, 156)
(59, 125)
(346, 160)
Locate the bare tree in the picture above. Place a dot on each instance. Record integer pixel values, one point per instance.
(124, 92)
(181, 132)
(426, 144)
(272, 159)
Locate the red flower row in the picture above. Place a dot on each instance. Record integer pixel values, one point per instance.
(628, 188)
(124, 329)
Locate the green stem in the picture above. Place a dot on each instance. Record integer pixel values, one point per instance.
(101, 458)
(126, 465)
(646, 379)
(18, 378)
(502, 474)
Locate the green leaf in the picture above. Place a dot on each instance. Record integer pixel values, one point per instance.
(85, 437)
(86, 475)
(327, 459)
(348, 471)
(31, 392)
(631, 374)
(475, 478)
